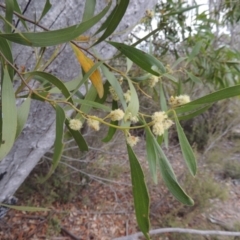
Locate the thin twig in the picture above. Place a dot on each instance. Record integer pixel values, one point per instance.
(25, 18)
(179, 230)
(24, 10)
(63, 229)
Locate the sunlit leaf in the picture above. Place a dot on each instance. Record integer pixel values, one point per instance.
(140, 193)
(87, 64)
(9, 115)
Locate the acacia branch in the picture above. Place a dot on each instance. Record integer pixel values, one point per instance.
(179, 230)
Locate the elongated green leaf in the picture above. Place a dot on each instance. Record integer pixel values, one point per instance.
(6, 51)
(152, 156)
(40, 96)
(195, 51)
(111, 130)
(116, 17)
(71, 85)
(55, 37)
(129, 64)
(90, 96)
(25, 208)
(82, 145)
(171, 77)
(107, 21)
(133, 106)
(46, 8)
(142, 59)
(169, 177)
(18, 10)
(9, 15)
(171, 181)
(102, 100)
(193, 77)
(93, 104)
(141, 78)
(164, 107)
(115, 84)
(9, 115)
(53, 80)
(89, 9)
(140, 193)
(181, 10)
(179, 60)
(194, 114)
(186, 108)
(58, 144)
(186, 149)
(22, 115)
(218, 95)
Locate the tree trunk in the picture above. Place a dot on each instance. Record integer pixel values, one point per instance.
(39, 133)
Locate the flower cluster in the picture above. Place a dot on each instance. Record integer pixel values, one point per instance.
(152, 81)
(149, 13)
(161, 122)
(129, 117)
(75, 124)
(179, 100)
(132, 140)
(127, 96)
(116, 115)
(113, 93)
(94, 124)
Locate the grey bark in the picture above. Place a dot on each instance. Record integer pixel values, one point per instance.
(39, 133)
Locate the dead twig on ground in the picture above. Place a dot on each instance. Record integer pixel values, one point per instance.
(179, 230)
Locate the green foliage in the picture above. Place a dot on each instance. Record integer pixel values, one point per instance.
(193, 61)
